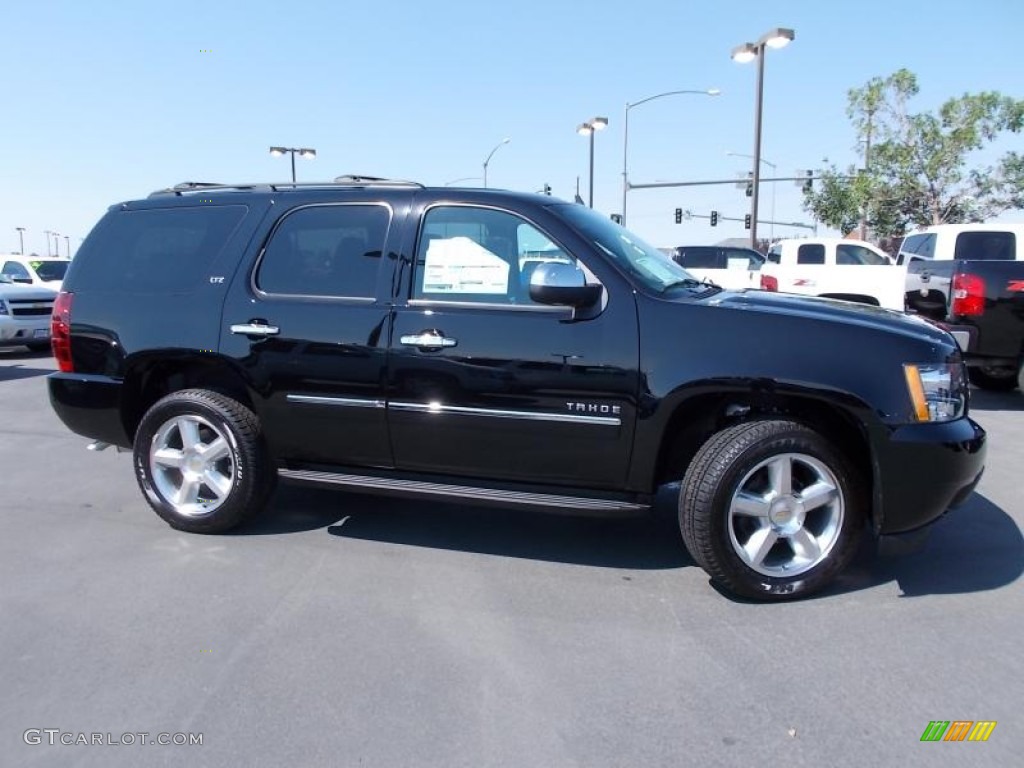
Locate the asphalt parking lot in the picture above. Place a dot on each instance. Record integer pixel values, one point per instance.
(344, 630)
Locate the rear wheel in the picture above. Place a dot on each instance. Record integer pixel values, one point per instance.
(993, 379)
(201, 461)
(770, 510)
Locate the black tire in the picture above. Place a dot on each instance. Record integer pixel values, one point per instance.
(245, 464)
(715, 534)
(38, 346)
(993, 379)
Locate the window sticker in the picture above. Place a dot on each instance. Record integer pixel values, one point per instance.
(461, 265)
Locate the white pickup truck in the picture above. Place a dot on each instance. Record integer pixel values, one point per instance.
(835, 268)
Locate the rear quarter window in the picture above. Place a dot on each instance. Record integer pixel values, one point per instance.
(985, 246)
(165, 250)
(810, 253)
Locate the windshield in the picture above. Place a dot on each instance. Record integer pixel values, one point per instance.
(645, 263)
(50, 270)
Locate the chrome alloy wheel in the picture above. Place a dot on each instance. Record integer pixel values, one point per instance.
(191, 463)
(786, 515)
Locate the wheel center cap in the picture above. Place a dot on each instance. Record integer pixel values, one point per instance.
(786, 514)
(194, 463)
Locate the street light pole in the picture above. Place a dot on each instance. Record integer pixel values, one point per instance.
(776, 38)
(625, 135)
(21, 240)
(302, 151)
(67, 242)
(589, 128)
(487, 162)
(775, 172)
(48, 233)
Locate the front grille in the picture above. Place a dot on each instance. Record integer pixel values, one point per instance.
(30, 311)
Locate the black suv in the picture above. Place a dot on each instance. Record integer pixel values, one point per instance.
(499, 348)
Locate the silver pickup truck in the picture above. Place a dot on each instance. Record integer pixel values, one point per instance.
(25, 315)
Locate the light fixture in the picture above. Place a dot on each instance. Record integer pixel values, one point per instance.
(306, 152)
(744, 53)
(778, 37)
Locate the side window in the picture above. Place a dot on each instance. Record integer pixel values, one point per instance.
(736, 258)
(16, 271)
(926, 248)
(160, 250)
(479, 255)
(326, 250)
(857, 255)
(984, 246)
(810, 253)
(908, 247)
(701, 258)
(774, 254)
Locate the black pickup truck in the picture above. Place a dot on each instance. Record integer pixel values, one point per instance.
(492, 347)
(970, 278)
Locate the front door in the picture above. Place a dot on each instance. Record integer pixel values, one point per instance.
(484, 382)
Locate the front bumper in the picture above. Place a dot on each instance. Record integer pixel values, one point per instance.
(16, 331)
(89, 406)
(924, 470)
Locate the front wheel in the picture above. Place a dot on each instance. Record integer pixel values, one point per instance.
(770, 510)
(201, 461)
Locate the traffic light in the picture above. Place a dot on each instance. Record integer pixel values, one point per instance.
(547, 189)
(714, 218)
(679, 215)
(750, 184)
(809, 184)
(617, 218)
(746, 221)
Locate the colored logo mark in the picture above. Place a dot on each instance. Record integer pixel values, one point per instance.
(1016, 286)
(958, 730)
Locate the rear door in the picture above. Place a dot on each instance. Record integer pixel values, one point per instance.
(308, 322)
(485, 383)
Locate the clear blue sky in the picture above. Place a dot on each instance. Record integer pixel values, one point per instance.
(106, 101)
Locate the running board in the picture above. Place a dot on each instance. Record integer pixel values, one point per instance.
(418, 488)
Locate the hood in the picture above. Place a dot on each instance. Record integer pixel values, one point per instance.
(28, 292)
(833, 310)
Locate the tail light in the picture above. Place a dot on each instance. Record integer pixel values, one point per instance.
(968, 295)
(769, 283)
(60, 331)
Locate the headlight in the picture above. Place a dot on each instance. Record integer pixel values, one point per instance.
(938, 391)
(3, 307)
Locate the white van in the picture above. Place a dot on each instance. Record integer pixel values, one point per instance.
(731, 267)
(834, 268)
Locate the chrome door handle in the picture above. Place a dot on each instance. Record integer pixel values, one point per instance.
(428, 340)
(255, 329)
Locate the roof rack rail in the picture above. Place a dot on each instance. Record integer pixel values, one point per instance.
(357, 178)
(350, 180)
(201, 186)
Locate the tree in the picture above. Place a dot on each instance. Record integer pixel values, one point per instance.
(917, 164)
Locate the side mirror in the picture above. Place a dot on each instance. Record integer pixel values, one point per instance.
(562, 284)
